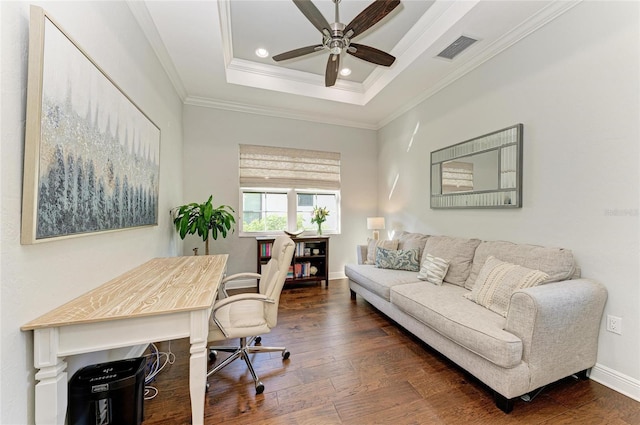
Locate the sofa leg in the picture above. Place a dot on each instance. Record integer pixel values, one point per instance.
(582, 375)
(353, 294)
(533, 394)
(503, 403)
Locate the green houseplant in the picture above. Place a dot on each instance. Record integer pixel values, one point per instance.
(204, 219)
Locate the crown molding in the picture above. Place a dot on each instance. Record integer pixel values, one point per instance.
(141, 15)
(439, 18)
(420, 37)
(275, 112)
(271, 77)
(543, 17)
(424, 33)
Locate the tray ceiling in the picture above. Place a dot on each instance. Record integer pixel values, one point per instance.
(207, 49)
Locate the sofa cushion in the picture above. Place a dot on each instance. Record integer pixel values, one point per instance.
(558, 263)
(407, 240)
(398, 259)
(373, 244)
(377, 280)
(433, 269)
(445, 310)
(458, 252)
(498, 280)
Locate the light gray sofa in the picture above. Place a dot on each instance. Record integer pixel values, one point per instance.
(550, 331)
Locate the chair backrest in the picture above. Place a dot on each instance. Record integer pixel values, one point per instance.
(274, 273)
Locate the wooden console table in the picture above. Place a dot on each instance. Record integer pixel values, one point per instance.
(163, 299)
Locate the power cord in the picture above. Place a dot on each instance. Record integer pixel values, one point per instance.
(156, 361)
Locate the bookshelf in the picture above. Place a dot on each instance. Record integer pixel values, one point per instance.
(310, 261)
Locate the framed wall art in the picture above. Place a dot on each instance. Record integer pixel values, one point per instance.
(92, 157)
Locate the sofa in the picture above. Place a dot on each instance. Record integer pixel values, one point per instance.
(514, 337)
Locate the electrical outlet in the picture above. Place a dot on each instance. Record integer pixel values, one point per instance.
(614, 324)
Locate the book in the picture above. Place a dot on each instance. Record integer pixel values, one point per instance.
(265, 249)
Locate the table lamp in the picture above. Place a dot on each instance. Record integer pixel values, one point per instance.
(375, 224)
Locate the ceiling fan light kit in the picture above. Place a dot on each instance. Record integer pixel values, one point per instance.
(336, 37)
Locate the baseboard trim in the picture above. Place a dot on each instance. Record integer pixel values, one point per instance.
(337, 275)
(617, 381)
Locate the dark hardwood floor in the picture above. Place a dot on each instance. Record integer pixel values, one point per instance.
(351, 365)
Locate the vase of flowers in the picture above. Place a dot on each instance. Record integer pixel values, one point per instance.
(319, 216)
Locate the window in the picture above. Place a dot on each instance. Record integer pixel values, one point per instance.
(308, 201)
(280, 188)
(264, 211)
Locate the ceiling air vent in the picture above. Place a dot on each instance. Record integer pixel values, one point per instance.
(455, 48)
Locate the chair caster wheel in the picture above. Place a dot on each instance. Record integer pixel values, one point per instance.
(285, 355)
(259, 388)
(213, 355)
(257, 340)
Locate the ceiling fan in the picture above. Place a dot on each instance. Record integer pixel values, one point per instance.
(336, 37)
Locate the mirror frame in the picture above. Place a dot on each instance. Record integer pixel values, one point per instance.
(508, 194)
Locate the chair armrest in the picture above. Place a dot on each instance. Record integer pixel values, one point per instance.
(240, 276)
(361, 251)
(559, 325)
(223, 285)
(241, 297)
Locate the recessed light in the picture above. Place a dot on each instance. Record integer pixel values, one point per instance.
(345, 72)
(262, 53)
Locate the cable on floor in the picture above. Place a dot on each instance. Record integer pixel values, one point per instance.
(156, 361)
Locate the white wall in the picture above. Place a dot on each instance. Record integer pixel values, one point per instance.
(575, 87)
(211, 139)
(38, 278)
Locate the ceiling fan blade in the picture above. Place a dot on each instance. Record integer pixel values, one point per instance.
(370, 16)
(331, 75)
(371, 54)
(312, 13)
(297, 52)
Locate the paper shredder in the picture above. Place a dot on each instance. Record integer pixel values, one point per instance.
(108, 393)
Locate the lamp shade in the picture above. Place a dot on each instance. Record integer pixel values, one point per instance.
(375, 223)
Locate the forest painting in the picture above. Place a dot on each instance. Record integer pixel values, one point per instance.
(97, 161)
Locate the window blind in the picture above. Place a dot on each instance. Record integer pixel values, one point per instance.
(268, 166)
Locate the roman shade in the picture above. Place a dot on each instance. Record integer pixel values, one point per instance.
(268, 166)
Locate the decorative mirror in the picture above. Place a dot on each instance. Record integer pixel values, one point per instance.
(485, 172)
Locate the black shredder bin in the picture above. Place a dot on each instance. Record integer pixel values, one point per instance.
(108, 393)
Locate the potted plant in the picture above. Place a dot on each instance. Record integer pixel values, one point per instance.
(203, 219)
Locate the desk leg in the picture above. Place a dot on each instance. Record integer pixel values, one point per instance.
(198, 364)
(51, 391)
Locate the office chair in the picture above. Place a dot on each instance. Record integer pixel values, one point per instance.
(247, 316)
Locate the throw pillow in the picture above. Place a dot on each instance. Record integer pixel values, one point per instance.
(398, 259)
(372, 244)
(558, 263)
(497, 280)
(433, 269)
(457, 251)
(408, 240)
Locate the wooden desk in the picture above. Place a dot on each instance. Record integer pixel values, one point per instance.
(163, 299)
